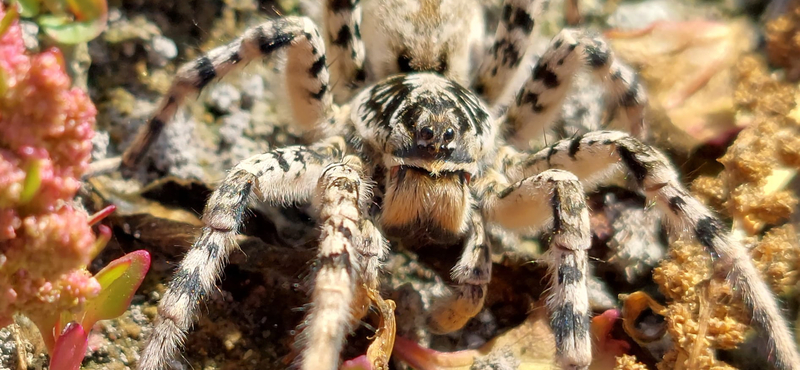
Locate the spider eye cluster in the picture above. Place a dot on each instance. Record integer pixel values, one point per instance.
(434, 137)
(425, 120)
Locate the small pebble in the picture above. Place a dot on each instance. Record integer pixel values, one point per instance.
(631, 16)
(30, 33)
(233, 125)
(252, 90)
(162, 50)
(100, 142)
(223, 97)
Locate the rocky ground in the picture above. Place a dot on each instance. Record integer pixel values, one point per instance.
(249, 323)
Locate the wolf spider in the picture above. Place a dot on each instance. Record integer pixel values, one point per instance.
(418, 158)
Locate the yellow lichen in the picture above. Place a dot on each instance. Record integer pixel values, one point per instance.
(777, 256)
(627, 362)
(703, 314)
(750, 189)
(783, 39)
(695, 321)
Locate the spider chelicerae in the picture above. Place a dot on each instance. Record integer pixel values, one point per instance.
(428, 145)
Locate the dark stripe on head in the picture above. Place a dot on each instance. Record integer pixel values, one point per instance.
(478, 116)
(385, 99)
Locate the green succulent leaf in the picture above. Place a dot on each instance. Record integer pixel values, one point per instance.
(119, 281)
(28, 8)
(32, 182)
(90, 18)
(85, 10)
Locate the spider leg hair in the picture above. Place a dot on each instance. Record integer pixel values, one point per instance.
(306, 75)
(510, 48)
(471, 275)
(538, 102)
(556, 198)
(591, 154)
(338, 298)
(281, 176)
(345, 47)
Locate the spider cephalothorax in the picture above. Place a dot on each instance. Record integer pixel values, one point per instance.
(421, 158)
(432, 135)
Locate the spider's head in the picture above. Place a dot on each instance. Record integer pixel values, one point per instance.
(426, 122)
(432, 135)
(403, 36)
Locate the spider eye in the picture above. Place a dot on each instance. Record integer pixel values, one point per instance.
(404, 63)
(449, 135)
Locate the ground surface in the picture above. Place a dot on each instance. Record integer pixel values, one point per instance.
(250, 321)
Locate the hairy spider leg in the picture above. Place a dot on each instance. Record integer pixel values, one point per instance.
(306, 75)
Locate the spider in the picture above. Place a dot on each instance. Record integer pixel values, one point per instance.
(427, 144)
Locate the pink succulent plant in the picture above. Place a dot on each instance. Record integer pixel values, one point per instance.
(45, 144)
(46, 127)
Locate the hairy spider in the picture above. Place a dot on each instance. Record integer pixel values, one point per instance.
(419, 159)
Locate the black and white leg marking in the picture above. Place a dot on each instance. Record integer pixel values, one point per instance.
(510, 48)
(538, 103)
(282, 176)
(553, 197)
(306, 74)
(338, 284)
(590, 155)
(345, 48)
(471, 274)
